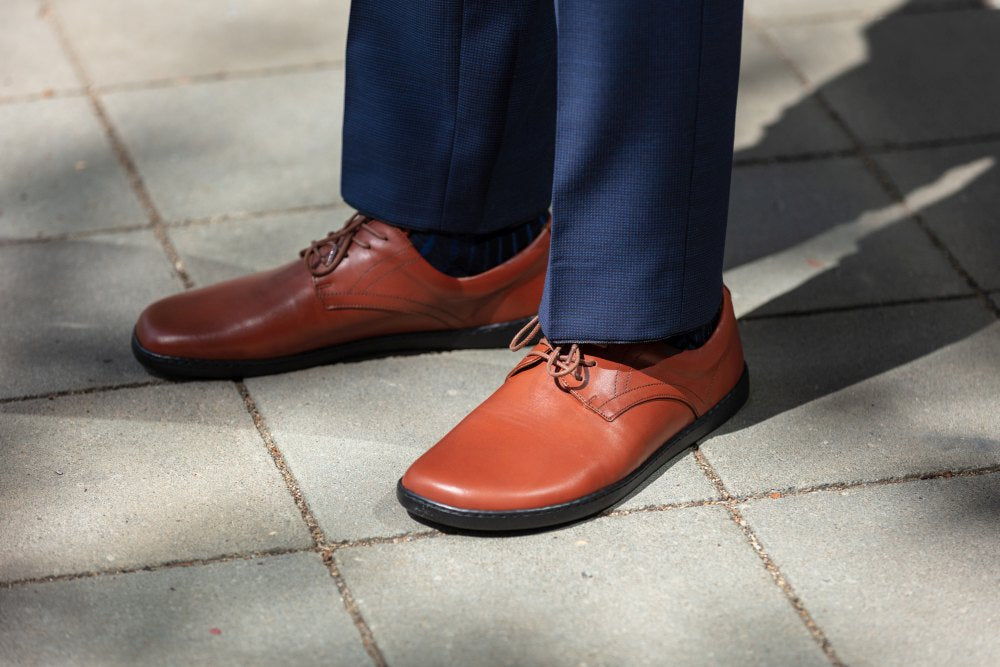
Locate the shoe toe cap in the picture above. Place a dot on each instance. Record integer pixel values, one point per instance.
(162, 328)
(499, 473)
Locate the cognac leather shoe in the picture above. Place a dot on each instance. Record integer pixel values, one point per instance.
(572, 432)
(360, 291)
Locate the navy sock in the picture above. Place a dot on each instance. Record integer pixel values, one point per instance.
(461, 255)
(695, 338)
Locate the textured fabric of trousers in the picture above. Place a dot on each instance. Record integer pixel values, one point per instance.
(467, 116)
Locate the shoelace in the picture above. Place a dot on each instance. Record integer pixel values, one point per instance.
(324, 255)
(557, 363)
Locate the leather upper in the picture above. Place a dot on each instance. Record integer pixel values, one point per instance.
(541, 440)
(380, 286)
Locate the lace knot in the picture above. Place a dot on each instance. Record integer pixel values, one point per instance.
(324, 255)
(557, 363)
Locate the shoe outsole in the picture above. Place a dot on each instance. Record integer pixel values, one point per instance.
(484, 337)
(581, 508)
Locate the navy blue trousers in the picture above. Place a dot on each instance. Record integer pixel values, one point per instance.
(473, 115)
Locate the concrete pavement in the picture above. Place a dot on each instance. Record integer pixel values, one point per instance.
(848, 515)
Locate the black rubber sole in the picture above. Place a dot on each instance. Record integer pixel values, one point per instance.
(484, 337)
(555, 515)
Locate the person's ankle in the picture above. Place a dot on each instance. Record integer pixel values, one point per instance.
(461, 255)
(695, 338)
(692, 339)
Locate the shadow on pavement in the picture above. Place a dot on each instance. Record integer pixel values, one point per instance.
(796, 360)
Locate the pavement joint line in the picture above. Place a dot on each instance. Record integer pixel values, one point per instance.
(73, 236)
(881, 176)
(178, 81)
(319, 539)
(184, 80)
(238, 216)
(224, 558)
(62, 393)
(830, 487)
(663, 507)
(166, 565)
(849, 308)
(793, 158)
(221, 218)
(938, 242)
(942, 7)
(315, 532)
(792, 491)
(930, 144)
(351, 605)
(884, 148)
(118, 146)
(46, 94)
(731, 506)
(399, 538)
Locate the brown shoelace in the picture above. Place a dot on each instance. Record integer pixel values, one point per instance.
(557, 363)
(324, 255)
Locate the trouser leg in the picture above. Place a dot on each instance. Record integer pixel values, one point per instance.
(449, 112)
(643, 157)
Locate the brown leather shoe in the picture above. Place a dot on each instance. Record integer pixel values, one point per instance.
(362, 290)
(572, 432)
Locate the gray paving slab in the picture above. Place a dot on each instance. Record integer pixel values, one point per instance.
(240, 145)
(57, 172)
(775, 114)
(31, 60)
(904, 78)
(825, 234)
(680, 586)
(682, 482)
(188, 38)
(135, 477)
(965, 219)
(905, 574)
(233, 248)
(283, 609)
(864, 395)
(69, 308)
(350, 431)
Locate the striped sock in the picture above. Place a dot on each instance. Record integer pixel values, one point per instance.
(461, 255)
(692, 340)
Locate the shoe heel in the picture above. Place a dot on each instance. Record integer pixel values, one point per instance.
(724, 409)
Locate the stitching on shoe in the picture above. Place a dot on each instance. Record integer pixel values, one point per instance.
(374, 265)
(444, 319)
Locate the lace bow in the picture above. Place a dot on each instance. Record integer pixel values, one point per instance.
(323, 256)
(557, 363)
